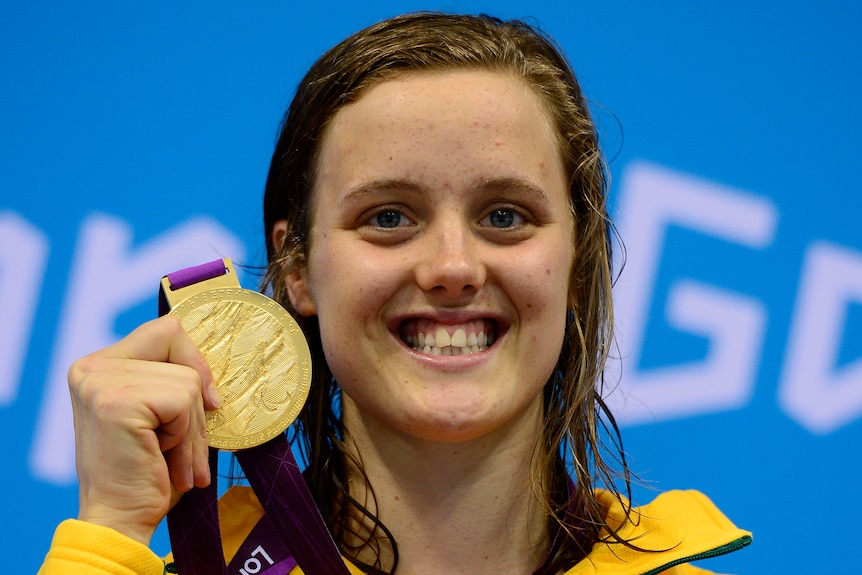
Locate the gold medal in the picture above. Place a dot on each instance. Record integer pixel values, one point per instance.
(257, 353)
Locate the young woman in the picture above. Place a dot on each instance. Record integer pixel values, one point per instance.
(436, 222)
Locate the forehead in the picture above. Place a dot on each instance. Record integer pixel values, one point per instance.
(456, 92)
(454, 116)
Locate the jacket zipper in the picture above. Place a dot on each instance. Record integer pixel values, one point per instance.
(722, 550)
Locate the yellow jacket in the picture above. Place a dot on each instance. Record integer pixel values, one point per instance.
(684, 523)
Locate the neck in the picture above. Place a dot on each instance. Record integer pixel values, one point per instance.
(453, 508)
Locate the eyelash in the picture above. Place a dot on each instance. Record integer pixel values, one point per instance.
(519, 220)
(372, 219)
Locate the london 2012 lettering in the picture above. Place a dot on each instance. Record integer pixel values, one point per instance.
(813, 389)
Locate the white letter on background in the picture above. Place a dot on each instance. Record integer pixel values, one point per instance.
(652, 199)
(106, 279)
(23, 254)
(813, 392)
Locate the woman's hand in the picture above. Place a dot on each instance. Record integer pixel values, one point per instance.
(139, 426)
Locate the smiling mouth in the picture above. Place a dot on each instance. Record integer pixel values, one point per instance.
(428, 337)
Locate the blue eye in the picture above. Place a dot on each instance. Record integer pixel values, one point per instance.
(503, 218)
(388, 219)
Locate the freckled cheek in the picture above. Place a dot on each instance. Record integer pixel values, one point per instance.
(547, 274)
(357, 281)
(529, 294)
(540, 294)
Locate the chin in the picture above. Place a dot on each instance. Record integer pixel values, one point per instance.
(449, 427)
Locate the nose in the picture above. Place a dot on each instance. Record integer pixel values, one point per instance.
(451, 264)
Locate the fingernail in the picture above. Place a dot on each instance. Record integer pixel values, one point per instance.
(215, 398)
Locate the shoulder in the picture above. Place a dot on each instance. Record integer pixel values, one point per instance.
(88, 549)
(677, 527)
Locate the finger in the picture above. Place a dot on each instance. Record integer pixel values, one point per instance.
(183, 438)
(188, 462)
(177, 439)
(180, 461)
(165, 340)
(201, 454)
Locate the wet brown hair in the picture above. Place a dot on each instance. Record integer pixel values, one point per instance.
(577, 422)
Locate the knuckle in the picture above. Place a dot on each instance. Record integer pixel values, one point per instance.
(80, 372)
(201, 365)
(168, 328)
(171, 324)
(168, 320)
(106, 400)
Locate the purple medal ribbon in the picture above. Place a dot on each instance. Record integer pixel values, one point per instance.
(291, 532)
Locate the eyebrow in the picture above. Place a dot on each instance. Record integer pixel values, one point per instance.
(502, 184)
(514, 184)
(377, 186)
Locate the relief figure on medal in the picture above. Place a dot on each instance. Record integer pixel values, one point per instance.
(251, 361)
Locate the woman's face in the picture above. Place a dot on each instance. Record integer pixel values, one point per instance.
(440, 255)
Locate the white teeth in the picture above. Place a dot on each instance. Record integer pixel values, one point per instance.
(459, 339)
(442, 338)
(442, 343)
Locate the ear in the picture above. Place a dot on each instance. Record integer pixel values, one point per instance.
(300, 293)
(296, 282)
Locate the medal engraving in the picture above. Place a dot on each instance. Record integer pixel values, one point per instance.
(260, 361)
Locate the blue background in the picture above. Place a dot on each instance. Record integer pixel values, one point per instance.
(155, 113)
